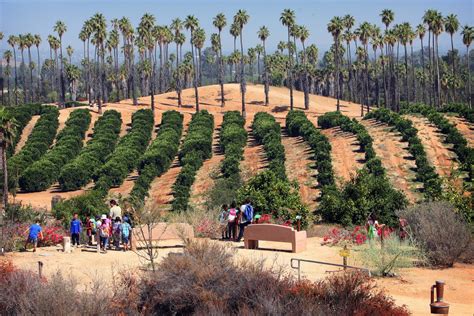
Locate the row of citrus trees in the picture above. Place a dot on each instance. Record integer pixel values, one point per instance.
(196, 148)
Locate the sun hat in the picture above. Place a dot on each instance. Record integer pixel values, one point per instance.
(103, 216)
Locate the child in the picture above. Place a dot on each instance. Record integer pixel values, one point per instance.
(76, 228)
(117, 232)
(223, 221)
(89, 228)
(126, 228)
(232, 221)
(33, 233)
(104, 233)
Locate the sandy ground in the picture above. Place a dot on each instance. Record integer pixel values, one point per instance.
(412, 288)
(345, 153)
(464, 127)
(26, 133)
(438, 153)
(300, 167)
(395, 158)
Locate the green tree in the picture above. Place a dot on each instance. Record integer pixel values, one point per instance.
(8, 127)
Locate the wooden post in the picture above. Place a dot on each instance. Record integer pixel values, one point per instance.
(40, 269)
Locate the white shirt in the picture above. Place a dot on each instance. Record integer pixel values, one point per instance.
(115, 211)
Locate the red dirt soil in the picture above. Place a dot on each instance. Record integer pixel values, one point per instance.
(464, 127)
(395, 157)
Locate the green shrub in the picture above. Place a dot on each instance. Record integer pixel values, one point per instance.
(159, 156)
(197, 147)
(39, 141)
(78, 172)
(127, 153)
(43, 173)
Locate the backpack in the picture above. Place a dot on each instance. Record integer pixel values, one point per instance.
(104, 231)
(248, 212)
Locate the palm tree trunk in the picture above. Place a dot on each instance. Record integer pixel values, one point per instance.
(336, 77)
(423, 85)
(242, 75)
(61, 76)
(265, 74)
(39, 71)
(430, 73)
(384, 79)
(200, 66)
(178, 76)
(5, 173)
(196, 93)
(413, 73)
(438, 87)
(152, 81)
(23, 77)
(454, 66)
(221, 71)
(31, 74)
(377, 85)
(406, 75)
(290, 71)
(305, 80)
(469, 77)
(367, 77)
(16, 76)
(99, 78)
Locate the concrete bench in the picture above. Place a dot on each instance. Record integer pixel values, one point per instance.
(162, 231)
(271, 232)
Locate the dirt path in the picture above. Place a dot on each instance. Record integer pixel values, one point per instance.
(26, 133)
(254, 157)
(346, 158)
(395, 158)
(438, 153)
(464, 127)
(299, 166)
(211, 167)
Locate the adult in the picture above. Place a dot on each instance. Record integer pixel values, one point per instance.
(246, 217)
(34, 232)
(115, 210)
(76, 229)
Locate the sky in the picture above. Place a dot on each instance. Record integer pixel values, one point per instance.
(39, 16)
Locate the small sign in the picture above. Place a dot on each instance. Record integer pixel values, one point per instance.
(344, 253)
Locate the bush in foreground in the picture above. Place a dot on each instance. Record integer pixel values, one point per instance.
(439, 230)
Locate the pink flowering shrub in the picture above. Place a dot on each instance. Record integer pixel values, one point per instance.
(338, 236)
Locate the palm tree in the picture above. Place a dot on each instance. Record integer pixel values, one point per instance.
(451, 24)
(220, 22)
(60, 28)
(85, 35)
(13, 41)
(349, 22)
(7, 55)
(240, 19)
(303, 35)
(335, 27)
(37, 42)
(198, 41)
(263, 34)
(72, 74)
(69, 52)
(467, 38)
(252, 56)
(405, 30)
(29, 42)
(387, 16)
(177, 26)
(421, 31)
(235, 32)
(22, 45)
(365, 32)
(8, 127)
(288, 18)
(1, 73)
(438, 28)
(145, 33)
(191, 23)
(100, 35)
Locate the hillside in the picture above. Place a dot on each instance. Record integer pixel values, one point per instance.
(345, 148)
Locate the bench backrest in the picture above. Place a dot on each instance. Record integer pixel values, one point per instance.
(270, 232)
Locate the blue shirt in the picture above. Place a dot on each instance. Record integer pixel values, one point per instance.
(35, 229)
(76, 226)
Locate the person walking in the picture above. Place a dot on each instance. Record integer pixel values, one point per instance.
(232, 222)
(104, 232)
(126, 229)
(117, 232)
(76, 229)
(34, 232)
(90, 229)
(372, 226)
(246, 218)
(223, 217)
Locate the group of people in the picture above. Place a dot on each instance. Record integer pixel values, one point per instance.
(233, 220)
(112, 229)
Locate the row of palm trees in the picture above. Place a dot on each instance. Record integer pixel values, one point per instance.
(382, 80)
